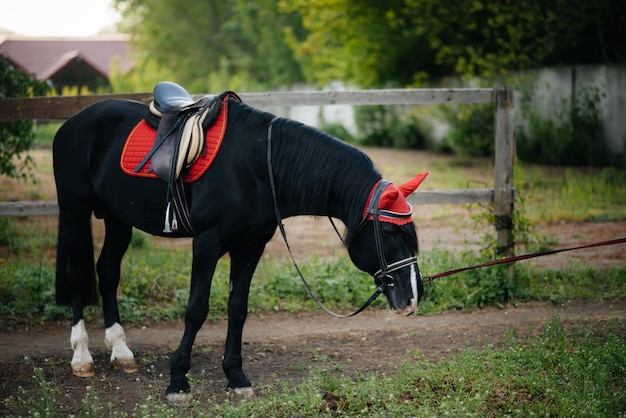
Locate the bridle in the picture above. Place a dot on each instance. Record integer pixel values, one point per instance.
(382, 277)
(383, 274)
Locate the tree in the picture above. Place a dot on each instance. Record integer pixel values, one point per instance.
(405, 42)
(17, 137)
(366, 42)
(212, 44)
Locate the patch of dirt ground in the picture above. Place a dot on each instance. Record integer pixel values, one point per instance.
(278, 347)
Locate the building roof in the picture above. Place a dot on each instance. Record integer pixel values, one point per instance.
(42, 57)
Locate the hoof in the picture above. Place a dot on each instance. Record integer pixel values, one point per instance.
(83, 370)
(179, 399)
(240, 394)
(127, 365)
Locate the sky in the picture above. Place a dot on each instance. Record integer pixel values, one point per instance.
(56, 17)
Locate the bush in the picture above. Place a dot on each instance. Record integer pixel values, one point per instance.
(17, 136)
(471, 129)
(384, 126)
(570, 135)
(25, 291)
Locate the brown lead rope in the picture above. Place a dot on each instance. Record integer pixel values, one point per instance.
(523, 257)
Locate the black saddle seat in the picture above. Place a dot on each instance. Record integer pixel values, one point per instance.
(170, 97)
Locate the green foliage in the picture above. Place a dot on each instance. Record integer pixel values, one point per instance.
(386, 126)
(17, 137)
(570, 135)
(337, 130)
(489, 286)
(44, 133)
(216, 45)
(365, 42)
(155, 286)
(26, 293)
(574, 373)
(404, 42)
(574, 283)
(523, 233)
(142, 78)
(471, 129)
(338, 284)
(474, 288)
(210, 45)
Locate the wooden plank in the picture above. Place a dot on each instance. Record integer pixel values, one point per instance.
(62, 107)
(57, 107)
(35, 208)
(503, 202)
(427, 197)
(503, 173)
(370, 97)
(446, 197)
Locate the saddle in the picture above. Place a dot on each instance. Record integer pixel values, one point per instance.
(182, 138)
(180, 133)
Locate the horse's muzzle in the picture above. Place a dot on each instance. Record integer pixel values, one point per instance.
(408, 310)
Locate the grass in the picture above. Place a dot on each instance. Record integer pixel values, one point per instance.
(44, 133)
(574, 194)
(155, 286)
(559, 372)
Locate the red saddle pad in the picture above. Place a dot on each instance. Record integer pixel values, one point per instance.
(141, 139)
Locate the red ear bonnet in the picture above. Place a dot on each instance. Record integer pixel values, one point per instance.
(393, 200)
(410, 186)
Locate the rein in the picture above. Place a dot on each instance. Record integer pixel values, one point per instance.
(382, 275)
(522, 257)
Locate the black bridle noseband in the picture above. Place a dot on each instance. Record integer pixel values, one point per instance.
(382, 277)
(375, 213)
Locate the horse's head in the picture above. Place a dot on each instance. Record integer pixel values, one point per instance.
(385, 244)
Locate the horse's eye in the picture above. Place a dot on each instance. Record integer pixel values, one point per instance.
(388, 229)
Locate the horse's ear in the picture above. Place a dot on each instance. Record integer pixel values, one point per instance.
(389, 197)
(410, 186)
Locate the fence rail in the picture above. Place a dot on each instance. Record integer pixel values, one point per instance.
(62, 107)
(428, 197)
(502, 195)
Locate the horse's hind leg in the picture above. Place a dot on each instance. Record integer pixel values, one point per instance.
(75, 278)
(117, 238)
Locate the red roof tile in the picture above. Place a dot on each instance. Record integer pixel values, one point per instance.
(44, 56)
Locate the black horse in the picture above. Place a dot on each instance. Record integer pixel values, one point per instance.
(232, 209)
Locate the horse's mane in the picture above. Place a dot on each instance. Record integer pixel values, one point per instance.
(318, 165)
(323, 166)
(314, 171)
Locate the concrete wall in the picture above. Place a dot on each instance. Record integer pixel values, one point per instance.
(555, 84)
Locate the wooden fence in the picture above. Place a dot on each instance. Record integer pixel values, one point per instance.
(502, 195)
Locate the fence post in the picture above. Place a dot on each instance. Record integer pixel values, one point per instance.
(503, 182)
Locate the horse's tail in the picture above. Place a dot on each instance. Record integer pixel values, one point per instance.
(86, 284)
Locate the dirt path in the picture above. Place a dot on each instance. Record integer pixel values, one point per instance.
(278, 347)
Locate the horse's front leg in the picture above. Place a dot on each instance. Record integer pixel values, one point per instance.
(206, 252)
(243, 264)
